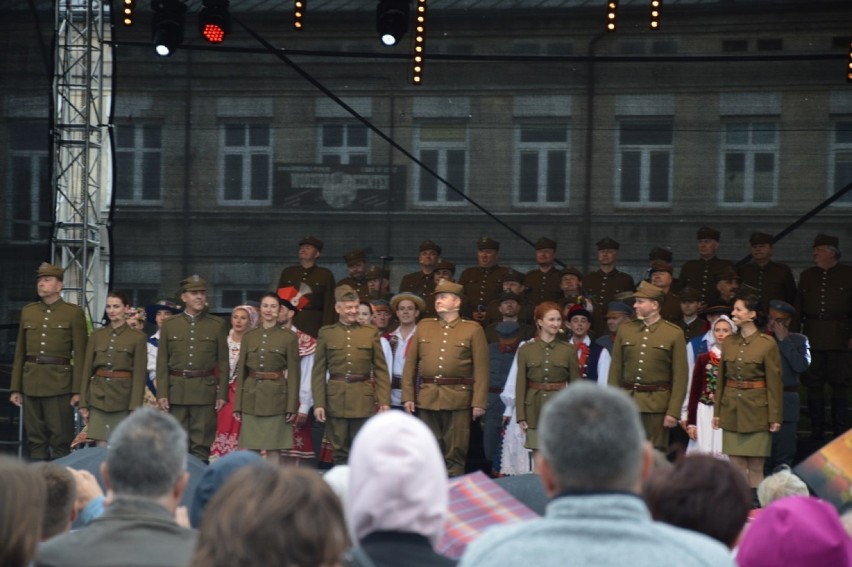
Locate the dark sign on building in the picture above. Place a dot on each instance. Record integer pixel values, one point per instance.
(338, 187)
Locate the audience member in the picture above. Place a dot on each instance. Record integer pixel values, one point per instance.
(272, 516)
(60, 511)
(592, 462)
(23, 498)
(398, 493)
(781, 484)
(214, 477)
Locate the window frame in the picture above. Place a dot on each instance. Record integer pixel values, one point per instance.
(442, 147)
(345, 152)
(543, 149)
(835, 148)
(139, 150)
(645, 166)
(247, 151)
(749, 151)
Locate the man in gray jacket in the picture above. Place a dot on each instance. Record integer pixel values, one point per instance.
(592, 461)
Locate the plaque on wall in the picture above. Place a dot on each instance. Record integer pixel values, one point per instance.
(338, 187)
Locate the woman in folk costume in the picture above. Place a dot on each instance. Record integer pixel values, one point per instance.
(243, 319)
(702, 394)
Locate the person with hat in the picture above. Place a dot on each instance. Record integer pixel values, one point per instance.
(617, 314)
(571, 283)
(795, 359)
(649, 362)
(701, 344)
(156, 314)
(484, 282)
(605, 282)
(661, 276)
(422, 282)
(699, 273)
(356, 268)
(192, 367)
(448, 358)
(350, 375)
(593, 358)
(382, 317)
(320, 308)
(543, 282)
(408, 307)
(48, 372)
(378, 284)
(825, 304)
(727, 284)
(509, 308)
(444, 270)
(690, 305)
(770, 279)
(501, 354)
(513, 283)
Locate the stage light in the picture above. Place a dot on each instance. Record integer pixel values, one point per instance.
(611, 14)
(419, 43)
(391, 20)
(849, 68)
(128, 10)
(655, 14)
(214, 21)
(298, 13)
(167, 25)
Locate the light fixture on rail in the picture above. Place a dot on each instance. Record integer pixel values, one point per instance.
(391, 20)
(419, 42)
(655, 14)
(611, 14)
(128, 12)
(167, 25)
(214, 21)
(849, 62)
(298, 14)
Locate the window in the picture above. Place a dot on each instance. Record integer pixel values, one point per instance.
(443, 148)
(644, 163)
(542, 165)
(770, 44)
(29, 184)
(749, 158)
(141, 296)
(344, 144)
(841, 159)
(246, 164)
(734, 45)
(138, 155)
(230, 298)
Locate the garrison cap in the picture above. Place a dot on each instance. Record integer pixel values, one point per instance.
(660, 253)
(513, 276)
(572, 271)
(760, 238)
(345, 293)
(355, 256)
(429, 245)
(193, 283)
(312, 240)
(608, 243)
(650, 291)
(709, 233)
(445, 265)
(449, 287)
(544, 242)
(486, 243)
(47, 269)
(412, 297)
(783, 309)
(689, 294)
(826, 240)
(661, 266)
(728, 274)
(618, 308)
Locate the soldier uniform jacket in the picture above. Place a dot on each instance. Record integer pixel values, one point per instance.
(695, 329)
(602, 288)
(825, 304)
(651, 354)
(670, 308)
(452, 350)
(701, 275)
(772, 281)
(543, 286)
(320, 310)
(57, 330)
(193, 344)
(418, 283)
(360, 286)
(268, 350)
(350, 349)
(123, 349)
(751, 359)
(482, 285)
(795, 359)
(545, 363)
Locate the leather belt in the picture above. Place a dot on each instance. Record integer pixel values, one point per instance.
(350, 377)
(637, 387)
(190, 373)
(267, 375)
(104, 373)
(495, 390)
(546, 386)
(396, 382)
(745, 384)
(448, 380)
(791, 389)
(41, 359)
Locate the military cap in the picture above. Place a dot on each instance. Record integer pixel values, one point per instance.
(661, 266)
(376, 272)
(507, 329)
(294, 298)
(380, 305)
(579, 310)
(572, 271)
(429, 245)
(486, 243)
(312, 240)
(445, 265)
(508, 295)
(608, 243)
(345, 293)
(161, 305)
(543, 243)
(728, 274)
(826, 240)
(412, 297)
(759, 238)
(709, 233)
(689, 294)
(193, 283)
(449, 287)
(355, 256)
(781, 309)
(659, 253)
(617, 308)
(47, 269)
(649, 291)
(513, 276)
(717, 306)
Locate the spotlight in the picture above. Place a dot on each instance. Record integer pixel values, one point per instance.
(611, 14)
(419, 43)
(655, 14)
(849, 68)
(127, 12)
(214, 22)
(391, 20)
(298, 13)
(167, 28)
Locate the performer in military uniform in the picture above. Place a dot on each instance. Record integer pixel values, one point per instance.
(483, 283)
(727, 284)
(192, 367)
(356, 268)
(449, 357)
(422, 282)
(770, 279)
(513, 283)
(115, 368)
(700, 273)
(545, 366)
(268, 380)
(348, 355)
(605, 283)
(320, 308)
(51, 335)
(444, 270)
(543, 282)
(661, 276)
(649, 362)
(690, 305)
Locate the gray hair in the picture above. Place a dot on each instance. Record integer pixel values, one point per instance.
(592, 438)
(781, 484)
(147, 454)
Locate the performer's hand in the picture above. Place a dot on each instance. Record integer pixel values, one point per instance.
(300, 420)
(477, 413)
(669, 422)
(16, 398)
(684, 425)
(319, 414)
(409, 407)
(84, 413)
(692, 431)
(220, 404)
(774, 427)
(75, 400)
(163, 403)
(715, 423)
(383, 408)
(289, 417)
(238, 416)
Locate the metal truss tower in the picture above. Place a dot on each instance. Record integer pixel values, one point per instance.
(80, 150)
